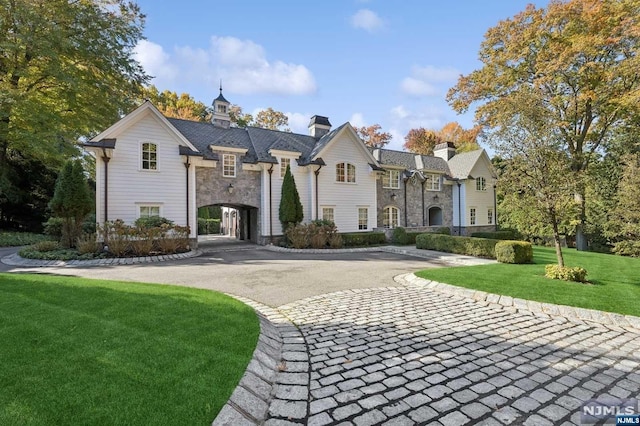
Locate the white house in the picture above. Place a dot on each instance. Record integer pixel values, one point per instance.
(148, 164)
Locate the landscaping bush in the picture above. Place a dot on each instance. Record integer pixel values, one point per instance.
(399, 236)
(45, 246)
(53, 227)
(356, 239)
(335, 241)
(566, 273)
(152, 222)
(627, 248)
(13, 239)
(208, 226)
(508, 251)
(444, 230)
(480, 247)
(87, 244)
(505, 234)
(297, 236)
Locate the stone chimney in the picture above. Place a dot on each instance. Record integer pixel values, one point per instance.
(444, 150)
(319, 126)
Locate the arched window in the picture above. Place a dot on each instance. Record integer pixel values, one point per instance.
(149, 156)
(435, 216)
(345, 172)
(391, 217)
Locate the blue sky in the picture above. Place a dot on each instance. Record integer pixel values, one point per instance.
(385, 62)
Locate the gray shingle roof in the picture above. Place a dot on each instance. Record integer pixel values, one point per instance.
(408, 161)
(461, 165)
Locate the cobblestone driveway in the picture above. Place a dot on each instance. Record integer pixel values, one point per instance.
(405, 355)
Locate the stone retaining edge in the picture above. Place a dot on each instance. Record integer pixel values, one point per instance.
(16, 260)
(528, 307)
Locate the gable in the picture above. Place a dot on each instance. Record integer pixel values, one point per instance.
(346, 141)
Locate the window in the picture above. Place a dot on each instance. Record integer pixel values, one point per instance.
(481, 184)
(284, 163)
(472, 216)
(222, 108)
(490, 216)
(433, 182)
(363, 218)
(327, 213)
(345, 172)
(228, 165)
(149, 156)
(391, 218)
(391, 179)
(149, 211)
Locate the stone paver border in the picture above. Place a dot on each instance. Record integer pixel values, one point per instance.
(16, 260)
(546, 310)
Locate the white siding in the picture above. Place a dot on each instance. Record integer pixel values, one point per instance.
(130, 186)
(347, 197)
(481, 200)
(462, 206)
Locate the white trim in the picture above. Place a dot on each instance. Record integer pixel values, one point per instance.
(354, 137)
(235, 165)
(281, 153)
(396, 181)
(366, 209)
(333, 212)
(139, 205)
(140, 159)
(228, 149)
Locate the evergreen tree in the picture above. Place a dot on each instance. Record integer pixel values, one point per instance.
(71, 200)
(290, 205)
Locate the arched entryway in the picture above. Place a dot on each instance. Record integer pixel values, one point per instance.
(238, 221)
(435, 216)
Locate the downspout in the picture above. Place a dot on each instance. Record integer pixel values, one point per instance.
(186, 166)
(317, 172)
(424, 223)
(405, 202)
(459, 210)
(270, 206)
(106, 159)
(495, 208)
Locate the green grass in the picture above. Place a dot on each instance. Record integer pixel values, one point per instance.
(13, 239)
(615, 280)
(80, 351)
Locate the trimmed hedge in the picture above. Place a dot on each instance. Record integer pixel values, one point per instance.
(508, 251)
(556, 272)
(356, 239)
(480, 247)
(208, 226)
(506, 234)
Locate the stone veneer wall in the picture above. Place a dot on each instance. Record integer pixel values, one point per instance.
(212, 188)
(414, 203)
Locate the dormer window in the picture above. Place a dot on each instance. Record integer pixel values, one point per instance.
(345, 172)
(149, 156)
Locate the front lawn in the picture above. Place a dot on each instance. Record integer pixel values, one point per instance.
(615, 280)
(81, 351)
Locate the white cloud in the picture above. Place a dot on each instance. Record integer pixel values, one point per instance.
(357, 120)
(367, 20)
(298, 122)
(428, 81)
(403, 119)
(155, 61)
(241, 64)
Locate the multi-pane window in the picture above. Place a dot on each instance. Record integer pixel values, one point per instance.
(481, 184)
(327, 213)
(228, 165)
(472, 216)
(391, 179)
(433, 182)
(345, 172)
(391, 217)
(222, 108)
(149, 211)
(490, 216)
(284, 163)
(149, 156)
(363, 218)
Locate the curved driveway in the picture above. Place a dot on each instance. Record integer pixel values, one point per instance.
(373, 351)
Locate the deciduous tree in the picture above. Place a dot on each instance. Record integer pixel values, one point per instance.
(66, 70)
(580, 57)
(421, 141)
(465, 140)
(178, 106)
(373, 137)
(238, 118)
(272, 119)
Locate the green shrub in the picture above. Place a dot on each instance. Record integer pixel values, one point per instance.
(566, 273)
(444, 230)
(411, 237)
(53, 227)
(45, 246)
(505, 234)
(627, 248)
(358, 239)
(13, 239)
(508, 251)
(208, 226)
(152, 222)
(480, 247)
(399, 236)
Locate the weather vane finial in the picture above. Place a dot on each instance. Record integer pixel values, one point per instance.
(221, 86)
